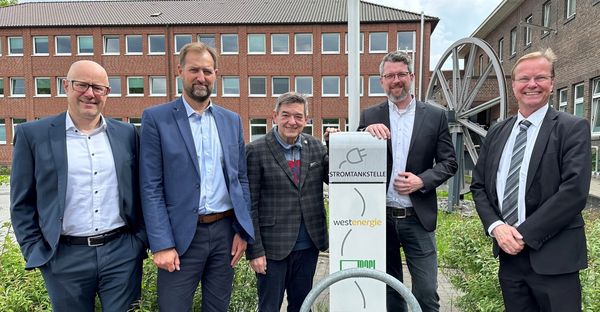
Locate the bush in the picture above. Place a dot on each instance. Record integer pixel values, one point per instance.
(465, 255)
(22, 290)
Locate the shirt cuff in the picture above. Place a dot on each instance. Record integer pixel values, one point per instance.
(493, 226)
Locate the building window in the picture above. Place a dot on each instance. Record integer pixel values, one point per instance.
(180, 41)
(257, 86)
(258, 128)
(1, 87)
(136, 121)
(178, 86)
(231, 86)
(17, 86)
(135, 86)
(111, 45)
(304, 85)
(213, 92)
(596, 105)
(280, 44)
(60, 87)
(40, 45)
(406, 41)
(378, 42)
(501, 49)
(115, 86)
(281, 85)
(570, 8)
(546, 16)
(229, 44)
(513, 41)
(85, 45)
(156, 44)
(62, 45)
(330, 43)
(256, 44)
(15, 46)
(361, 43)
(158, 86)
(133, 44)
(15, 123)
(308, 128)
(375, 88)
(527, 34)
(0, 46)
(578, 100)
(2, 131)
(562, 100)
(208, 39)
(362, 86)
(303, 43)
(42, 86)
(330, 86)
(481, 60)
(328, 123)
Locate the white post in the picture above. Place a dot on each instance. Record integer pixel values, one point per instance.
(353, 64)
(421, 53)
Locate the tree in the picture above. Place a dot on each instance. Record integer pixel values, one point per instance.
(4, 3)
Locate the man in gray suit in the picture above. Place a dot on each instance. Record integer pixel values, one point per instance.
(420, 157)
(286, 171)
(75, 199)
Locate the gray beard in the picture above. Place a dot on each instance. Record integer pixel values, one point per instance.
(395, 99)
(198, 94)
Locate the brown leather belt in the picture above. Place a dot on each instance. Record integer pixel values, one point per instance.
(214, 217)
(400, 213)
(94, 240)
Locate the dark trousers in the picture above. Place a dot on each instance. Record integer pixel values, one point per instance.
(293, 274)
(77, 273)
(207, 261)
(421, 258)
(524, 290)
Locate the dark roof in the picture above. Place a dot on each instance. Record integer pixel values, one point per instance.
(195, 12)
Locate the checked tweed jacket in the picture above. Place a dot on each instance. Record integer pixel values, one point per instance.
(278, 204)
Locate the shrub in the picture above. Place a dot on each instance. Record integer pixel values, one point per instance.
(22, 290)
(465, 256)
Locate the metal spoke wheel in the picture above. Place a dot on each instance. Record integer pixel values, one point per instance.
(465, 95)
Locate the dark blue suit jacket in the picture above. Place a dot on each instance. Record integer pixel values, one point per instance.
(170, 175)
(39, 180)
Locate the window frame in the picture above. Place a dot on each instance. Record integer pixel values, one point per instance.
(501, 49)
(35, 49)
(178, 81)
(362, 86)
(546, 16)
(570, 9)
(513, 41)
(150, 45)
(36, 85)
(56, 45)
(12, 87)
(79, 44)
(579, 102)
(361, 44)
(329, 94)
(309, 35)
(311, 85)
(213, 44)
(287, 43)
(333, 34)
(273, 94)
(398, 47)
(10, 45)
(375, 81)
(237, 44)
(563, 104)
(60, 86)
(224, 85)
(325, 125)
(258, 124)
(3, 126)
(250, 89)
(1, 87)
(105, 45)
(129, 93)
(527, 33)
(176, 39)
(151, 84)
(113, 89)
(127, 52)
(595, 97)
(371, 50)
(263, 45)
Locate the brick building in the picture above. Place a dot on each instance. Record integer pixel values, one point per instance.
(266, 47)
(572, 29)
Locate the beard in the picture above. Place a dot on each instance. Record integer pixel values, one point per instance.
(199, 92)
(399, 98)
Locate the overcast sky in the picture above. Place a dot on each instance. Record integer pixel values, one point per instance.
(458, 19)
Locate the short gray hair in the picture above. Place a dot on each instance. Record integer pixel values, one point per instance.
(395, 57)
(291, 98)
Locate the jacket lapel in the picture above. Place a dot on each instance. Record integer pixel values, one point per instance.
(180, 115)
(277, 152)
(541, 142)
(119, 154)
(304, 160)
(58, 143)
(420, 112)
(496, 147)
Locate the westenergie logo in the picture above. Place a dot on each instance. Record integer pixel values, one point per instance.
(358, 222)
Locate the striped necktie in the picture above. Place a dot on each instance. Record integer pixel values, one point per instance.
(510, 204)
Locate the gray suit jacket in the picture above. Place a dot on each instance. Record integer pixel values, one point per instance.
(39, 180)
(278, 204)
(558, 182)
(430, 156)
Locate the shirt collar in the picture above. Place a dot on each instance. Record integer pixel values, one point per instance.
(70, 125)
(536, 117)
(410, 107)
(285, 145)
(190, 111)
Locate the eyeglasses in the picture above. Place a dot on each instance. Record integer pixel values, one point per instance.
(392, 76)
(537, 79)
(82, 87)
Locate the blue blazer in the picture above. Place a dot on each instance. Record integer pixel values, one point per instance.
(170, 175)
(38, 183)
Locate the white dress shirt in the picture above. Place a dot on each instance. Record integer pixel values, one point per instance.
(536, 120)
(401, 128)
(92, 195)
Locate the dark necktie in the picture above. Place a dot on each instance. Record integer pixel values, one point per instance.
(510, 204)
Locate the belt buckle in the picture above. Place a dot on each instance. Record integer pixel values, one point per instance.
(396, 213)
(89, 240)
